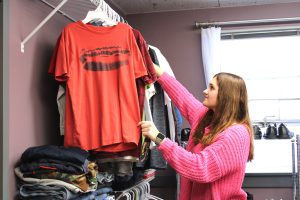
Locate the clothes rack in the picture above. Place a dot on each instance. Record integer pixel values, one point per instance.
(100, 3)
(59, 11)
(41, 24)
(142, 185)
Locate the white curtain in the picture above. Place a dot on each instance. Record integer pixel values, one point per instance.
(211, 43)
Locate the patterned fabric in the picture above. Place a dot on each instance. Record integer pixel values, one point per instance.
(85, 182)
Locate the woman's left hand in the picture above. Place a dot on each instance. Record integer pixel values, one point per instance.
(149, 130)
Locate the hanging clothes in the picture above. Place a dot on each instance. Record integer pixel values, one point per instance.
(164, 64)
(151, 77)
(100, 66)
(159, 114)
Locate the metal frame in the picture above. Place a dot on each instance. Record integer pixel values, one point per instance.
(241, 29)
(42, 23)
(248, 22)
(99, 3)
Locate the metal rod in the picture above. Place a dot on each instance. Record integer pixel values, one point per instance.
(298, 166)
(248, 22)
(59, 11)
(294, 170)
(261, 30)
(294, 121)
(41, 24)
(276, 99)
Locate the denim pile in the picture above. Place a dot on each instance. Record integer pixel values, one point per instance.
(61, 173)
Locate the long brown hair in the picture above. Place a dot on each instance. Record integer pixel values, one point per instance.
(232, 107)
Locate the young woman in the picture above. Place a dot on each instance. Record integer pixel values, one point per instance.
(212, 167)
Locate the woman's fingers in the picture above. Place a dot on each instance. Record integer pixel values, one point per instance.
(145, 124)
(147, 128)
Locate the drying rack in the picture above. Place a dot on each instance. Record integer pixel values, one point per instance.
(101, 4)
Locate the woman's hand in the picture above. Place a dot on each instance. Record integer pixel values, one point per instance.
(159, 71)
(149, 130)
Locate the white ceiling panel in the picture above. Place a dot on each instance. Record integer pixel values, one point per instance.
(234, 3)
(149, 6)
(79, 8)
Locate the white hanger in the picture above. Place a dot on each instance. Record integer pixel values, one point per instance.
(133, 194)
(150, 196)
(100, 14)
(93, 16)
(102, 5)
(143, 191)
(127, 195)
(111, 13)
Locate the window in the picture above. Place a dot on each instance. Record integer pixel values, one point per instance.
(270, 67)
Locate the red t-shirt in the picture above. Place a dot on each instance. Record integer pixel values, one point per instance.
(100, 66)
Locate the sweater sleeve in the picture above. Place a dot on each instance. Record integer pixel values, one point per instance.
(190, 108)
(226, 155)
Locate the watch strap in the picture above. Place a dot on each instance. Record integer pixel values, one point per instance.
(159, 138)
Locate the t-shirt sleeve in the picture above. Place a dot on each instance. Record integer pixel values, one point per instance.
(137, 59)
(59, 64)
(143, 47)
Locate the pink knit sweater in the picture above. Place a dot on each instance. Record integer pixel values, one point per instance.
(212, 173)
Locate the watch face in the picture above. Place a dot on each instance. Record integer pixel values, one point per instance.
(160, 136)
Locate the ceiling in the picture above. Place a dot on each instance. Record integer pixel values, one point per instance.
(126, 7)
(150, 6)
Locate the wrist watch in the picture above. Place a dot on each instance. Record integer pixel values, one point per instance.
(159, 138)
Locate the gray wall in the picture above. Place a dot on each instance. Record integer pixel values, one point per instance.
(173, 34)
(30, 112)
(1, 94)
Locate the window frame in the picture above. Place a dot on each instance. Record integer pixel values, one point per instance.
(260, 35)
